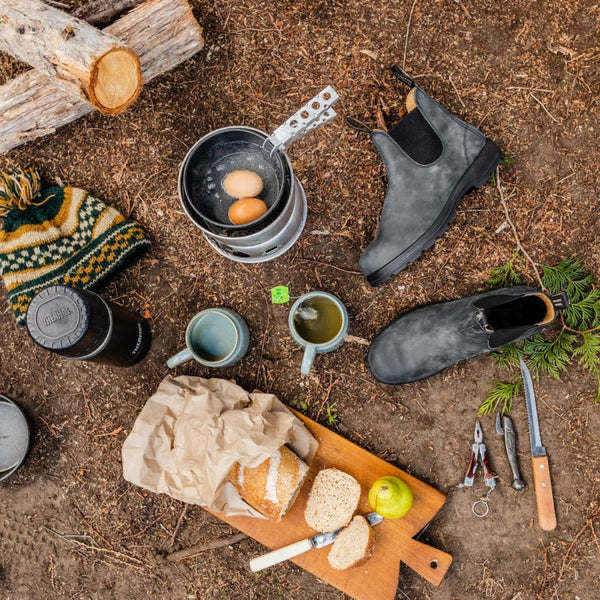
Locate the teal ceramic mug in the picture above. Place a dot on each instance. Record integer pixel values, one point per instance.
(318, 322)
(215, 337)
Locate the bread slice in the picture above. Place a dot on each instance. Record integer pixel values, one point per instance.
(272, 486)
(353, 545)
(332, 501)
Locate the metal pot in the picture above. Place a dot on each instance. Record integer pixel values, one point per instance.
(228, 149)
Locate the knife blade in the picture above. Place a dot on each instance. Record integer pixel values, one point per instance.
(316, 541)
(539, 458)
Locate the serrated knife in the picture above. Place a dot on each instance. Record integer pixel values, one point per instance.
(316, 541)
(539, 458)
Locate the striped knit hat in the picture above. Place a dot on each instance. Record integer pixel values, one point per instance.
(58, 236)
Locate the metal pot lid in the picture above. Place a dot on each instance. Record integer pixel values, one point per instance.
(14, 437)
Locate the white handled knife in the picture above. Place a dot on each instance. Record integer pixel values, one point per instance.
(316, 541)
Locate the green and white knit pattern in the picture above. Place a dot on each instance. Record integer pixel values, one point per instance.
(65, 237)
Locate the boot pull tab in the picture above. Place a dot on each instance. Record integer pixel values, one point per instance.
(560, 301)
(403, 76)
(358, 125)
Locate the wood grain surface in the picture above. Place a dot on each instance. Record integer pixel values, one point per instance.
(543, 493)
(378, 577)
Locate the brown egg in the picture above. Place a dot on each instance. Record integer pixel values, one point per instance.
(243, 184)
(246, 210)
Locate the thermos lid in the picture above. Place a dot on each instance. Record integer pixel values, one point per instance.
(14, 437)
(58, 317)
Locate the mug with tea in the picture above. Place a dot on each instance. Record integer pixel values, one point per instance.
(215, 337)
(318, 322)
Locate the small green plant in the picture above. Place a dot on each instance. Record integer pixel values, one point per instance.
(506, 160)
(299, 402)
(332, 415)
(577, 340)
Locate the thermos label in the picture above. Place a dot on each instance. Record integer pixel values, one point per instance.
(58, 315)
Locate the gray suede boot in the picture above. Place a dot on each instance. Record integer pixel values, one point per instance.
(432, 160)
(426, 340)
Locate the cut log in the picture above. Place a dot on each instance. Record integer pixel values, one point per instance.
(164, 33)
(105, 70)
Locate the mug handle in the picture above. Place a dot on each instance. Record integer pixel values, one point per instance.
(179, 358)
(307, 360)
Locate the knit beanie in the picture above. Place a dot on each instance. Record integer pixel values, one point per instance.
(58, 236)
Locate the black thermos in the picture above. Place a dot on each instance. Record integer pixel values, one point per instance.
(81, 325)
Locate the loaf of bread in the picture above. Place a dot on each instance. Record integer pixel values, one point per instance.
(273, 485)
(353, 545)
(333, 499)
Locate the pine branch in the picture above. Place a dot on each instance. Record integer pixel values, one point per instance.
(578, 340)
(503, 393)
(509, 356)
(589, 353)
(506, 275)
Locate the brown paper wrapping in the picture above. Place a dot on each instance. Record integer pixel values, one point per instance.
(191, 432)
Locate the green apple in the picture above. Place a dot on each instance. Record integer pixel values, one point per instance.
(390, 497)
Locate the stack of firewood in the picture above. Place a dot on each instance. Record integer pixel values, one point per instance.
(78, 68)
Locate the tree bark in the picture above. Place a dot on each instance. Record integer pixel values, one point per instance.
(164, 33)
(102, 11)
(105, 70)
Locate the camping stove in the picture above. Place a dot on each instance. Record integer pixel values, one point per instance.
(260, 244)
(232, 148)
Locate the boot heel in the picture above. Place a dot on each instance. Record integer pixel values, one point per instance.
(484, 165)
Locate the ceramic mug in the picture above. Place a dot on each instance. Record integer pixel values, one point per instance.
(215, 337)
(318, 322)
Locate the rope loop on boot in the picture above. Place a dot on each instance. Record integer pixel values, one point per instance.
(402, 76)
(19, 189)
(358, 125)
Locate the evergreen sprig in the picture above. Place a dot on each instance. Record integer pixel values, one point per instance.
(577, 341)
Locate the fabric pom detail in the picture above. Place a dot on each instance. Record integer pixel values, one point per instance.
(19, 189)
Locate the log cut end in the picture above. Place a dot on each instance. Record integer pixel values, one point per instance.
(116, 80)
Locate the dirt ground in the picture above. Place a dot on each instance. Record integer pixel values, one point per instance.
(528, 75)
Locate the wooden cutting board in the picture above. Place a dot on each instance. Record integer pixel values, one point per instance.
(378, 577)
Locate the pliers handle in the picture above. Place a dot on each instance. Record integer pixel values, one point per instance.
(479, 455)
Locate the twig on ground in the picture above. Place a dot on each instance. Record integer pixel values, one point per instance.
(456, 90)
(113, 432)
(588, 523)
(514, 230)
(327, 394)
(87, 403)
(134, 535)
(464, 8)
(200, 548)
(52, 571)
(352, 339)
(542, 105)
(179, 522)
(50, 427)
(540, 594)
(119, 556)
(412, 8)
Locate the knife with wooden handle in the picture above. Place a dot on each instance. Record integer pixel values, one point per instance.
(429, 562)
(539, 459)
(316, 541)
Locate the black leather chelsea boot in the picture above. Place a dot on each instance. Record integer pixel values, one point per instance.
(432, 160)
(426, 340)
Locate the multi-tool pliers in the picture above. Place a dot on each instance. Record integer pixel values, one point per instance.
(479, 455)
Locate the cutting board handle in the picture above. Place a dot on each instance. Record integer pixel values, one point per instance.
(427, 561)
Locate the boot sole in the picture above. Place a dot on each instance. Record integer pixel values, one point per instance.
(475, 177)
